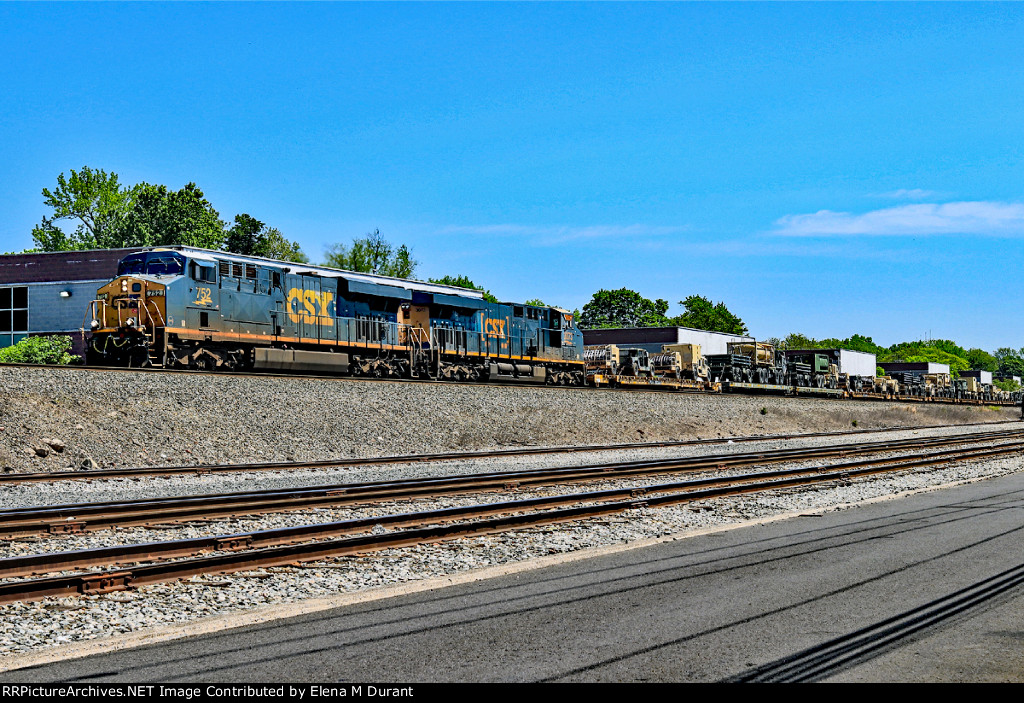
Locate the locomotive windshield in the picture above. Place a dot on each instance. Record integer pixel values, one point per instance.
(153, 263)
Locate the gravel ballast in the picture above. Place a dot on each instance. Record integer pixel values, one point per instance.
(51, 404)
(54, 419)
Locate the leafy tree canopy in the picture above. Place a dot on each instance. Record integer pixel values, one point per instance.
(162, 217)
(932, 354)
(1007, 385)
(979, 359)
(372, 254)
(250, 236)
(107, 215)
(91, 199)
(627, 308)
(623, 308)
(700, 313)
(464, 282)
(856, 342)
(1011, 362)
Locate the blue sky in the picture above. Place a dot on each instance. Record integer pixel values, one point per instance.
(827, 168)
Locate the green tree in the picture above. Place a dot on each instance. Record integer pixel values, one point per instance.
(372, 254)
(1011, 362)
(95, 201)
(163, 217)
(1007, 385)
(109, 216)
(243, 236)
(464, 282)
(251, 237)
(795, 340)
(855, 343)
(537, 302)
(273, 245)
(979, 359)
(623, 308)
(700, 313)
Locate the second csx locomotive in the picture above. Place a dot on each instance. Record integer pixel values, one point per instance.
(184, 307)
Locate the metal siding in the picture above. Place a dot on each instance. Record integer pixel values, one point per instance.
(48, 312)
(983, 376)
(457, 301)
(710, 342)
(652, 338)
(383, 291)
(919, 367)
(857, 363)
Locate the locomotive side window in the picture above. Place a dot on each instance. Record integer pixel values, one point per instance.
(204, 274)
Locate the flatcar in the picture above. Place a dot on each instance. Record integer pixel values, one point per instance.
(185, 307)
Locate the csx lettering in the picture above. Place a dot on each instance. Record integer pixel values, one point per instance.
(302, 306)
(494, 328)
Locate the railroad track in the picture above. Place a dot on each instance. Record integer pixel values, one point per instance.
(806, 394)
(88, 517)
(135, 472)
(285, 546)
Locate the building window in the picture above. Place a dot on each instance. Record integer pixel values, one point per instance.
(13, 315)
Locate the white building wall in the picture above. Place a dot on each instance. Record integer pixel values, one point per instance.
(710, 342)
(857, 363)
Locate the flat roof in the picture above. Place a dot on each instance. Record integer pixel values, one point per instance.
(48, 266)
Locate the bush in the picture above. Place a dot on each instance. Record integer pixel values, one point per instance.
(39, 350)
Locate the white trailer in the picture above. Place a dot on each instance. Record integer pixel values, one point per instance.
(857, 363)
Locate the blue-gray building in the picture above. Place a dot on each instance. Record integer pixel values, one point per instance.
(49, 293)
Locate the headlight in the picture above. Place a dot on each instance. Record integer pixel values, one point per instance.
(94, 325)
(130, 322)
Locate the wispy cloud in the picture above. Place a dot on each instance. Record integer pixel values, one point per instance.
(979, 218)
(551, 235)
(907, 194)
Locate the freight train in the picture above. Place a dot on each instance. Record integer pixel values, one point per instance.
(191, 308)
(759, 367)
(185, 307)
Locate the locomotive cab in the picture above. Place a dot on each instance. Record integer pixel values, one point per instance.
(130, 311)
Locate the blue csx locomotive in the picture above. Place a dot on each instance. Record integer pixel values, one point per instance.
(184, 307)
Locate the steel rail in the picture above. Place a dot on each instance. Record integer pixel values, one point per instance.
(264, 548)
(807, 394)
(82, 517)
(140, 471)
